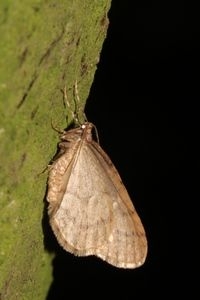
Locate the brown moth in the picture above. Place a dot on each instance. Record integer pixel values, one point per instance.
(89, 209)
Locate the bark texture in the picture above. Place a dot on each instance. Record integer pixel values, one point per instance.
(45, 47)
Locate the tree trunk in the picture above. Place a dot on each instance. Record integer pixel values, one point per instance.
(45, 47)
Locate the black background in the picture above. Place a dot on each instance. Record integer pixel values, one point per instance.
(144, 103)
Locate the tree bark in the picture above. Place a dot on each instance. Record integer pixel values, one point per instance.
(45, 47)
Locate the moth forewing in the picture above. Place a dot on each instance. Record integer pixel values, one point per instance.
(127, 211)
(60, 169)
(112, 173)
(89, 208)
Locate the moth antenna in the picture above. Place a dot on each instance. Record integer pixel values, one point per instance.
(76, 91)
(67, 104)
(76, 102)
(65, 98)
(47, 168)
(76, 98)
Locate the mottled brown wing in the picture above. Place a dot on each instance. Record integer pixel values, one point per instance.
(95, 215)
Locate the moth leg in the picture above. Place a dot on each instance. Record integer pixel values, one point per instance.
(77, 104)
(66, 103)
(47, 168)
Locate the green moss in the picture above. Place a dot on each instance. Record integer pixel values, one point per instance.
(44, 46)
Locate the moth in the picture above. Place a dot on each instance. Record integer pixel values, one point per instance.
(89, 209)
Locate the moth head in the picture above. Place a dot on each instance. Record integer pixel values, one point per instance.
(87, 131)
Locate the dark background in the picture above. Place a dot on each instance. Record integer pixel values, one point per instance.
(144, 103)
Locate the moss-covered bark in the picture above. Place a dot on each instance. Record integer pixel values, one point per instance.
(45, 46)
